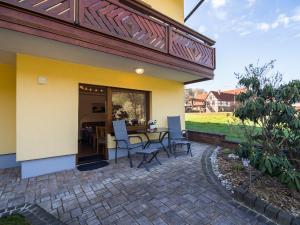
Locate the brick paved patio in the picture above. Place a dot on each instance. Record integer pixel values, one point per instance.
(176, 192)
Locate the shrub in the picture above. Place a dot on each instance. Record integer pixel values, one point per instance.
(227, 151)
(267, 103)
(244, 150)
(290, 177)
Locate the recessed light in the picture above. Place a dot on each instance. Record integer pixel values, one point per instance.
(139, 71)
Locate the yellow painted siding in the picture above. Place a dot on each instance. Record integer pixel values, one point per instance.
(8, 109)
(171, 8)
(47, 115)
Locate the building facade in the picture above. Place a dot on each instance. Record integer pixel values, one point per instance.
(70, 66)
(220, 102)
(196, 104)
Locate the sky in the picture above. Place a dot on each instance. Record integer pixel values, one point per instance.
(248, 31)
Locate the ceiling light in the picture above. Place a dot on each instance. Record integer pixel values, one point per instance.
(139, 71)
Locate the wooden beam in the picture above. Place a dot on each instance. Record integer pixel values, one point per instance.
(197, 81)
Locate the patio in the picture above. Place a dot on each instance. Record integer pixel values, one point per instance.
(179, 191)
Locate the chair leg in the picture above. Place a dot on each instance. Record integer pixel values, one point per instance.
(130, 160)
(172, 148)
(116, 155)
(155, 156)
(190, 149)
(144, 162)
(175, 146)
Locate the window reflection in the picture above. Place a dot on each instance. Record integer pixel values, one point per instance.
(130, 106)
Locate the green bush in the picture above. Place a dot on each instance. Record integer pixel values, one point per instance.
(268, 163)
(227, 151)
(267, 103)
(244, 150)
(291, 178)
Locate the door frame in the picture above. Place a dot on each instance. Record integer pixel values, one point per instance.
(80, 91)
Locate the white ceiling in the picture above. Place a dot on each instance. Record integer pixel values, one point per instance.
(15, 42)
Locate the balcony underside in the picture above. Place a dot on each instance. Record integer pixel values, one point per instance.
(31, 33)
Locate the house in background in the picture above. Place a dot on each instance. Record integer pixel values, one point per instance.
(222, 101)
(196, 104)
(235, 91)
(70, 67)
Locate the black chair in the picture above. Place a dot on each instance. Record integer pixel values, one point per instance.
(123, 142)
(176, 135)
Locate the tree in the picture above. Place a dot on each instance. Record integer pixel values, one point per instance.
(268, 103)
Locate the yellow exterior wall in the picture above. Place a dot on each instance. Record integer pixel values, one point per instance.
(7, 109)
(47, 115)
(171, 8)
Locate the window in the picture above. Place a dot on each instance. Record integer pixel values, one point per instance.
(131, 106)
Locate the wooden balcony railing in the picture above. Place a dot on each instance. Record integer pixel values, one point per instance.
(129, 21)
(59, 9)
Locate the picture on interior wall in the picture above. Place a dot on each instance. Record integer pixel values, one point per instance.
(98, 107)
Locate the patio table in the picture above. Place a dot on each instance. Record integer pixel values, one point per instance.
(162, 132)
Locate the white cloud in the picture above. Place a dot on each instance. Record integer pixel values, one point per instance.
(220, 14)
(263, 26)
(283, 19)
(218, 3)
(251, 3)
(244, 33)
(296, 16)
(202, 29)
(216, 36)
(274, 25)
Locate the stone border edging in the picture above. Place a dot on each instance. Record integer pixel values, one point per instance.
(263, 207)
(242, 195)
(213, 179)
(220, 139)
(33, 213)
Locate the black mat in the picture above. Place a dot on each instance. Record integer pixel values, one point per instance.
(89, 159)
(92, 166)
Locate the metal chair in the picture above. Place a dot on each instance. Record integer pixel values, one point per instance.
(123, 140)
(176, 135)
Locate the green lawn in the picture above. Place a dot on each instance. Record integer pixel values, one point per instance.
(220, 123)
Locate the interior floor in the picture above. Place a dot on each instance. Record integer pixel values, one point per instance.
(88, 153)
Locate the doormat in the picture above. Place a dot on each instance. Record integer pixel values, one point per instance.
(92, 166)
(89, 159)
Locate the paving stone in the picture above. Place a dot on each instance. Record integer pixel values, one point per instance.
(284, 218)
(250, 199)
(260, 205)
(271, 211)
(177, 192)
(296, 221)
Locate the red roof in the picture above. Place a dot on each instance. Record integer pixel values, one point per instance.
(235, 91)
(201, 96)
(222, 96)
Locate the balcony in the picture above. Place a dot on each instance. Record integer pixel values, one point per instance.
(125, 28)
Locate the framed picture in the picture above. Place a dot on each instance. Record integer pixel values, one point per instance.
(98, 107)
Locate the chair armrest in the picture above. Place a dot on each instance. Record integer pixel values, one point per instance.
(121, 140)
(138, 137)
(185, 134)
